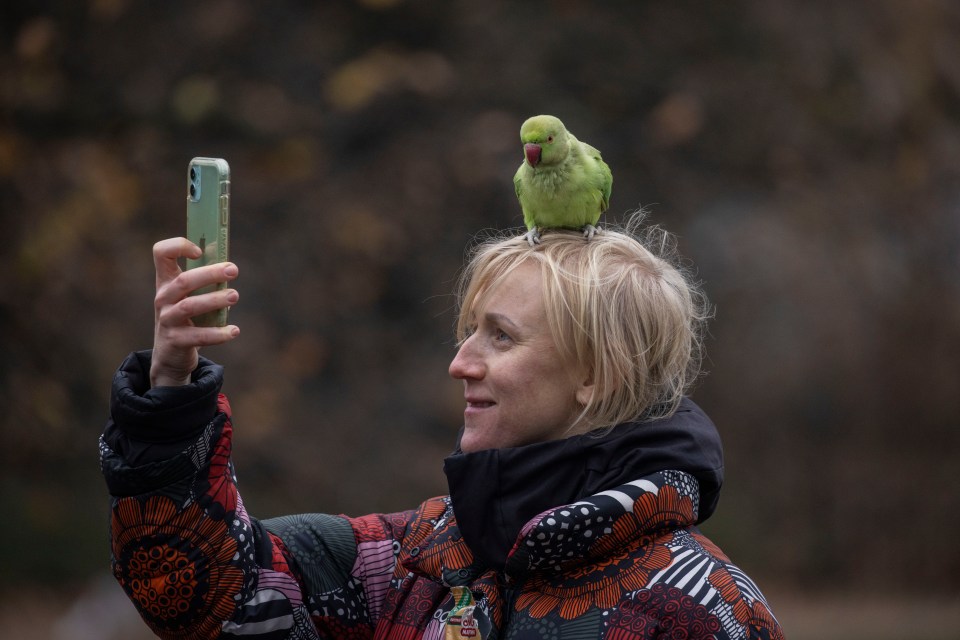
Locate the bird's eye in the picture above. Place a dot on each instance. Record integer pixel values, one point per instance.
(549, 138)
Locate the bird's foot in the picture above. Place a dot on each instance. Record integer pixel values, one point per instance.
(533, 237)
(589, 231)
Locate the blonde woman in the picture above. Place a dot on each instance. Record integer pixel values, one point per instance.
(578, 479)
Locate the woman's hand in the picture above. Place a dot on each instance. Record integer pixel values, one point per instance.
(176, 341)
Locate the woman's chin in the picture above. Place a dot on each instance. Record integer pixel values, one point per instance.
(475, 439)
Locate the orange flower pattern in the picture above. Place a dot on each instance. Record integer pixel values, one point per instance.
(185, 554)
(600, 549)
(175, 565)
(746, 602)
(633, 554)
(599, 584)
(664, 510)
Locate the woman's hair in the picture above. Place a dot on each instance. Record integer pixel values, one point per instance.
(621, 309)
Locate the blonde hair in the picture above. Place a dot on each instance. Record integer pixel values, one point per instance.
(621, 309)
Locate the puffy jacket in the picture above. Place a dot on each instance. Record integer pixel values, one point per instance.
(589, 537)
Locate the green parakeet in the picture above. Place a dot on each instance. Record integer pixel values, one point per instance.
(562, 182)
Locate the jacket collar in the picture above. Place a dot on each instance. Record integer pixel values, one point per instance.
(564, 537)
(496, 493)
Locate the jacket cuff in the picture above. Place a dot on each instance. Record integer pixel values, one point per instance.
(163, 415)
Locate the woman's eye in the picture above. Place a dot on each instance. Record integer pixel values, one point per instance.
(500, 336)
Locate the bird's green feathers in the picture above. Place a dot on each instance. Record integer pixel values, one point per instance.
(562, 182)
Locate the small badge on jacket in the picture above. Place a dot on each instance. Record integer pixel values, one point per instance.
(467, 619)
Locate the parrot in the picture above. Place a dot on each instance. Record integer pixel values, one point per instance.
(562, 182)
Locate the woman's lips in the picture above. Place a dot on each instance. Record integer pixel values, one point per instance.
(478, 404)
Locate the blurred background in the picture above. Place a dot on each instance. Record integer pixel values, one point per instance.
(806, 153)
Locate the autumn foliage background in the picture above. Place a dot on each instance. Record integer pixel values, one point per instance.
(806, 153)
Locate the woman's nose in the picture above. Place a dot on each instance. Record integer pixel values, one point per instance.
(466, 364)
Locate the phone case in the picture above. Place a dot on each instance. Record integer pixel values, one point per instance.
(208, 222)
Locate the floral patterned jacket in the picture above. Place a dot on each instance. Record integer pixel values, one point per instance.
(622, 563)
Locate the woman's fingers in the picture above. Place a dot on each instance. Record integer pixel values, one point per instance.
(179, 309)
(176, 290)
(173, 304)
(165, 256)
(187, 338)
(177, 283)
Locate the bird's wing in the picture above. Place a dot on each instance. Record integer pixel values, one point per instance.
(602, 176)
(606, 183)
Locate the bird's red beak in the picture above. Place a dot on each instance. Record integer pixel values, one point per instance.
(532, 153)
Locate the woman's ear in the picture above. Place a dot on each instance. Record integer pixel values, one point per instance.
(585, 389)
(584, 394)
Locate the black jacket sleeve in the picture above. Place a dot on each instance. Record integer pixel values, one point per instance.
(149, 425)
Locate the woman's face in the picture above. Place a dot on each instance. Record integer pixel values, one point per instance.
(518, 391)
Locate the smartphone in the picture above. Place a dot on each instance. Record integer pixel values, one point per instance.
(208, 223)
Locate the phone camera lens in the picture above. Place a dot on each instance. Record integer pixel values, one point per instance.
(193, 173)
(193, 190)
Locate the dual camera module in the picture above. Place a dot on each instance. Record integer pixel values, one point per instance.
(194, 184)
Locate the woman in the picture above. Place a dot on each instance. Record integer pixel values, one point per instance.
(579, 476)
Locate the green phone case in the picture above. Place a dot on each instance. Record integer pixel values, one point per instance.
(208, 222)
